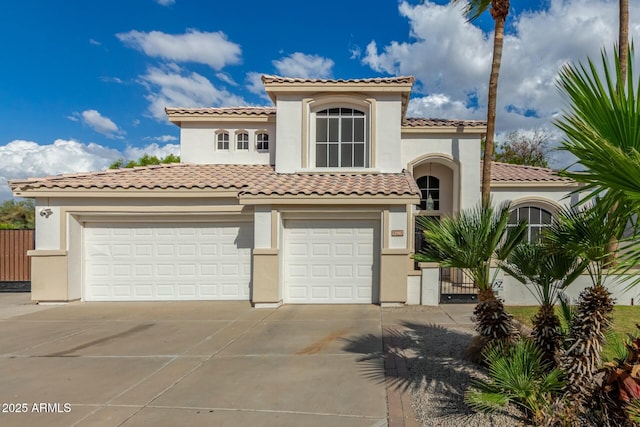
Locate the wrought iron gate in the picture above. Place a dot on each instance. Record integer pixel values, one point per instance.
(456, 287)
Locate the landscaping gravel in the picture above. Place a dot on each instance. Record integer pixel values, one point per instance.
(439, 375)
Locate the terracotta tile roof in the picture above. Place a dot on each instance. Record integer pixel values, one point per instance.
(249, 180)
(224, 111)
(398, 184)
(424, 122)
(267, 79)
(505, 172)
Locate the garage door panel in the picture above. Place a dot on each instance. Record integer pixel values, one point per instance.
(344, 292)
(343, 271)
(167, 261)
(320, 292)
(345, 249)
(298, 249)
(329, 261)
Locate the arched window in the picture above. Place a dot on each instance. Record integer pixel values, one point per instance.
(262, 141)
(340, 138)
(223, 140)
(242, 141)
(537, 219)
(429, 193)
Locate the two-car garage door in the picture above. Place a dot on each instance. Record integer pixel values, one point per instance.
(167, 261)
(324, 261)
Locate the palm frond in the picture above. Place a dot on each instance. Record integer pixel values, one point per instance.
(470, 240)
(602, 125)
(518, 374)
(473, 9)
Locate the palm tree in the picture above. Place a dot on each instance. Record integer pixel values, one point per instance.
(518, 374)
(470, 240)
(549, 273)
(586, 233)
(499, 10)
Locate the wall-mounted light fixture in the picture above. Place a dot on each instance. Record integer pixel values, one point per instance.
(46, 212)
(429, 204)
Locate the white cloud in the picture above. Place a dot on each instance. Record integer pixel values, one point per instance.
(162, 138)
(165, 2)
(451, 58)
(99, 123)
(225, 77)
(253, 83)
(152, 150)
(21, 159)
(172, 86)
(107, 79)
(306, 66)
(211, 48)
(442, 107)
(94, 42)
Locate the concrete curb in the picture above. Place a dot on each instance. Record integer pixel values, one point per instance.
(400, 412)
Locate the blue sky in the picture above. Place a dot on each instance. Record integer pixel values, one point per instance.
(85, 83)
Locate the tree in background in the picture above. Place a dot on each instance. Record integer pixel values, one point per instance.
(499, 10)
(16, 215)
(145, 160)
(525, 148)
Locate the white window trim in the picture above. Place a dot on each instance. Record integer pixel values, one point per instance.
(325, 101)
(238, 133)
(313, 142)
(223, 132)
(259, 132)
(439, 189)
(530, 225)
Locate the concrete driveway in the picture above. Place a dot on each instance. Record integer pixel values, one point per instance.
(192, 363)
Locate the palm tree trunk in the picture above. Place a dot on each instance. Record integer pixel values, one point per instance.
(623, 53)
(499, 11)
(623, 38)
(486, 294)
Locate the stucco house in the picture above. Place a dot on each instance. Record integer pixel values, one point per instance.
(310, 201)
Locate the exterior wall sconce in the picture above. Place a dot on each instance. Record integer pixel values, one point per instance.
(46, 212)
(429, 204)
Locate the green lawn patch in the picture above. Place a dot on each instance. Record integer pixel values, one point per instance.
(625, 318)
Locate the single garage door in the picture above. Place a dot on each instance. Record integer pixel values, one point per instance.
(172, 261)
(330, 261)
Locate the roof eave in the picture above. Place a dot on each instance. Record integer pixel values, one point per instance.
(328, 199)
(445, 129)
(532, 183)
(125, 193)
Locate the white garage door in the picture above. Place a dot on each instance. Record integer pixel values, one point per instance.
(142, 262)
(330, 261)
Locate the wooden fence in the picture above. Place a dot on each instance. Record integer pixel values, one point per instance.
(15, 265)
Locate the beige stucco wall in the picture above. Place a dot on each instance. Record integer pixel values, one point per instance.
(49, 275)
(393, 276)
(266, 277)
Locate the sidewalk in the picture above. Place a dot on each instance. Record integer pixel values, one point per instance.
(18, 303)
(400, 411)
